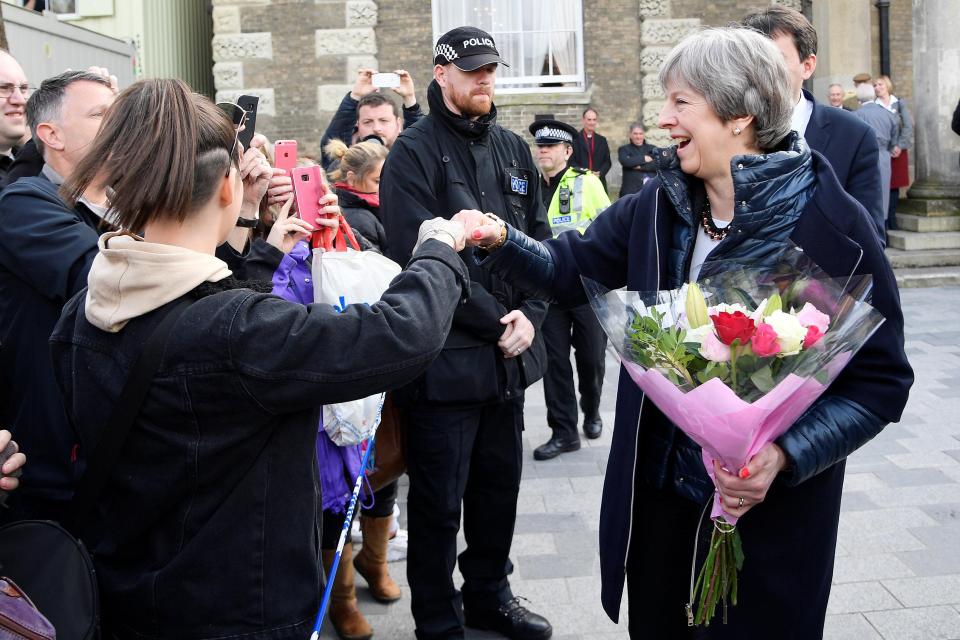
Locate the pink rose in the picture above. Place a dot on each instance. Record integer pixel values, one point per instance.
(810, 316)
(813, 336)
(714, 349)
(764, 342)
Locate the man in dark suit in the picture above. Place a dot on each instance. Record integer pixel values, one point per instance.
(590, 149)
(849, 145)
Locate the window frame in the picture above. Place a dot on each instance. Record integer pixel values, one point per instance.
(507, 85)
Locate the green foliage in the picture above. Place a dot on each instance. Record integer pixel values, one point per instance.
(662, 348)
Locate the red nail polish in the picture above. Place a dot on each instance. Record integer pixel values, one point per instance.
(744, 473)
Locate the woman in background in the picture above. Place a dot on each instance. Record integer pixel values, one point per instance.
(899, 160)
(356, 181)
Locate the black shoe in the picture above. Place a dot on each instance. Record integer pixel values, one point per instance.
(511, 620)
(592, 427)
(554, 447)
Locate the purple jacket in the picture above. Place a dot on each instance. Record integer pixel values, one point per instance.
(293, 281)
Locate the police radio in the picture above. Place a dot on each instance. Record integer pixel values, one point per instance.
(564, 196)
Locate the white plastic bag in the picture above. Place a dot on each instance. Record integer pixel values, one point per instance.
(341, 278)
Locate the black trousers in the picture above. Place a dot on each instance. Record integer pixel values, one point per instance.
(789, 542)
(470, 457)
(580, 329)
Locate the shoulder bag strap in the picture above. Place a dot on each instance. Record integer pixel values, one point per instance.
(107, 452)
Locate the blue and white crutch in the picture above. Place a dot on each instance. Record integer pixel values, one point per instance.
(347, 521)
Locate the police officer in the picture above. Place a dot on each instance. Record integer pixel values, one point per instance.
(573, 197)
(465, 414)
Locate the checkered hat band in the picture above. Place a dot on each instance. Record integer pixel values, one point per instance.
(555, 134)
(447, 52)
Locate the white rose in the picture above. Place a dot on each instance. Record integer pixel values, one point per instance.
(790, 333)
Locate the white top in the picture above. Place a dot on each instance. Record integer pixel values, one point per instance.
(893, 100)
(801, 115)
(704, 245)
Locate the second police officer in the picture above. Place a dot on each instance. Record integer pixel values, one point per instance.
(573, 198)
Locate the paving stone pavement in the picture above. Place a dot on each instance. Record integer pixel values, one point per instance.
(897, 574)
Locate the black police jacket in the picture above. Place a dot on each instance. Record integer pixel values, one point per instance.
(438, 166)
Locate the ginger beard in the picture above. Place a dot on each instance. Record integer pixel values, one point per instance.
(470, 92)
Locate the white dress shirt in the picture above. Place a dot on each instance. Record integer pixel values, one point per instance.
(801, 115)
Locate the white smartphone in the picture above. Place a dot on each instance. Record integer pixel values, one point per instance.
(385, 80)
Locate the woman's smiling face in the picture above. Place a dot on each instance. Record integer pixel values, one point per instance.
(705, 143)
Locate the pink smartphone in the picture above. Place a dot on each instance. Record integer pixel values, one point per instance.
(308, 188)
(285, 155)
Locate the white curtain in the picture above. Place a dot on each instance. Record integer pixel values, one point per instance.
(527, 31)
(565, 20)
(540, 25)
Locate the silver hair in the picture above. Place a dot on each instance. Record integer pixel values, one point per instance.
(637, 125)
(866, 92)
(740, 72)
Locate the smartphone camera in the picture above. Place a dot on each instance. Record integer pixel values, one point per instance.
(305, 177)
(385, 80)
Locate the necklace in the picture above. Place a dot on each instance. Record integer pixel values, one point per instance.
(706, 220)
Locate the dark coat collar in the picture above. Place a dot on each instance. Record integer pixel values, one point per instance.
(761, 182)
(470, 129)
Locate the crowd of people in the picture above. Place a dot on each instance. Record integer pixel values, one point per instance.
(128, 211)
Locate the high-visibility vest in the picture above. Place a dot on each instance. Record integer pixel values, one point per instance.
(579, 198)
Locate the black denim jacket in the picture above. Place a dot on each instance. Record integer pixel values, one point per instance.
(209, 524)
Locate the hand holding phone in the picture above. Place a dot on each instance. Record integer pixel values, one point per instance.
(285, 155)
(308, 188)
(386, 80)
(249, 105)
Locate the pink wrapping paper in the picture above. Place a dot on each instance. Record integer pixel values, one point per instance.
(727, 428)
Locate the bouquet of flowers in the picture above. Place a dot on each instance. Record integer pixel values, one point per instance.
(733, 362)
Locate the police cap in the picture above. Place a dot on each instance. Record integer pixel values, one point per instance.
(467, 47)
(549, 131)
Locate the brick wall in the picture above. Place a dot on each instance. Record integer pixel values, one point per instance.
(716, 13)
(300, 56)
(405, 39)
(901, 46)
(297, 55)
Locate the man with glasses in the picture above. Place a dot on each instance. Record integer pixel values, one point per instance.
(14, 92)
(45, 252)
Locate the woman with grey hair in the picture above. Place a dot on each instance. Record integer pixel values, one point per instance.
(736, 186)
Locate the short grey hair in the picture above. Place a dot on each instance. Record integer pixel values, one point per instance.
(637, 125)
(866, 92)
(45, 103)
(740, 72)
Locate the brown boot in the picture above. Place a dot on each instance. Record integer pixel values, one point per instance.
(344, 614)
(371, 562)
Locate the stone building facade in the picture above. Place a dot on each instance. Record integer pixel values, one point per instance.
(301, 56)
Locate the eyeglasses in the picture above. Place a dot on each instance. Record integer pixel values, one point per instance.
(6, 90)
(238, 116)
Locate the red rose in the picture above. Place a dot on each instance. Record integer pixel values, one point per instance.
(764, 341)
(733, 326)
(813, 336)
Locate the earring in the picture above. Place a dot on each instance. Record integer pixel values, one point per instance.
(736, 131)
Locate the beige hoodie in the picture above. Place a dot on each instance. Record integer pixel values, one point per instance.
(131, 277)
